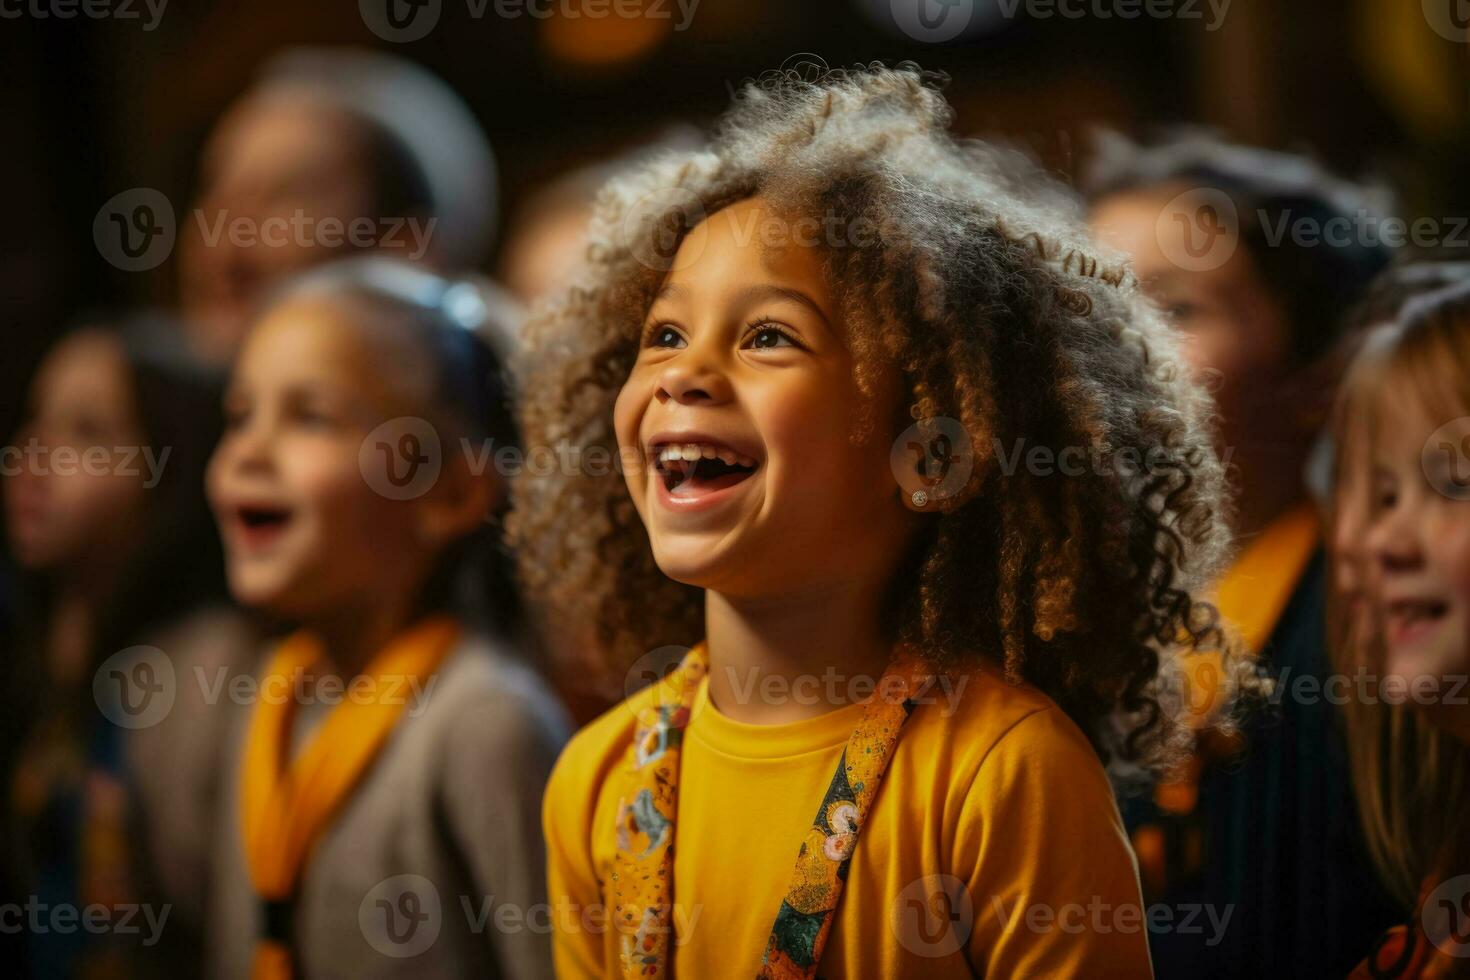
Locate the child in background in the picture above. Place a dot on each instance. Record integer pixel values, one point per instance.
(1373, 322)
(333, 137)
(386, 784)
(761, 322)
(1403, 421)
(1261, 822)
(105, 515)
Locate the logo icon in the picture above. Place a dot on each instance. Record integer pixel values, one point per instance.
(938, 452)
(1446, 917)
(652, 667)
(135, 229)
(1445, 459)
(933, 916)
(135, 688)
(657, 224)
(401, 458)
(932, 21)
(1450, 19)
(1198, 229)
(649, 670)
(401, 916)
(400, 21)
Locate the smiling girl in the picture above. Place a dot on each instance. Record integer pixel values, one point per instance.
(813, 346)
(1404, 488)
(395, 747)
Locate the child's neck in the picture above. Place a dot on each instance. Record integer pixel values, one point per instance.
(70, 636)
(784, 658)
(81, 595)
(353, 635)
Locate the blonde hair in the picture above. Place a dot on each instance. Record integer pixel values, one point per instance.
(1411, 778)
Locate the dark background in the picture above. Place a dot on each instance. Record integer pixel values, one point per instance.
(93, 107)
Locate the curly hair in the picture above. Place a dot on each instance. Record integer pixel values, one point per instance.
(985, 294)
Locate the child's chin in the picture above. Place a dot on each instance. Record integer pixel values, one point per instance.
(690, 564)
(263, 594)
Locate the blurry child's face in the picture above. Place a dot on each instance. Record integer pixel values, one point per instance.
(269, 161)
(61, 510)
(743, 407)
(1235, 335)
(305, 534)
(1419, 543)
(1351, 511)
(1350, 523)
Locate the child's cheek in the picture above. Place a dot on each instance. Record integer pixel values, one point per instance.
(628, 413)
(1450, 535)
(800, 427)
(814, 426)
(324, 480)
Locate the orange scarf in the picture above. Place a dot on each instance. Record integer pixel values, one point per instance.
(1252, 595)
(288, 803)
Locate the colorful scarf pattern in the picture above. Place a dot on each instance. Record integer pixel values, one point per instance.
(643, 866)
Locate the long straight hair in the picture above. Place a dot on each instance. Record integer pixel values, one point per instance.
(1411, 778)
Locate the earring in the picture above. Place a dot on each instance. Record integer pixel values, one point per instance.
(920, 498)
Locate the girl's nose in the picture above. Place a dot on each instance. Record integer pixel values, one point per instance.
(250, 444)
(690, 380)
(1393, 541)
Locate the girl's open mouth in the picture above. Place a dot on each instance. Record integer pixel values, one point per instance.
(261, 525)
(1413, 619)
(694, 469)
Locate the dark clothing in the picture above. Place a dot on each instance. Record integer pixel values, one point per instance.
(1281, 843)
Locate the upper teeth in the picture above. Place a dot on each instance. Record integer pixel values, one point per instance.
(689, 452)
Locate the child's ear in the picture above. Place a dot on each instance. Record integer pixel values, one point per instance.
(914, 489)
(459, 503)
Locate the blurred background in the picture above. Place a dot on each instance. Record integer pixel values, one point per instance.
(97, 106)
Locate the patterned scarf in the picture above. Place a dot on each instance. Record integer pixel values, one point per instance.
(643, 865)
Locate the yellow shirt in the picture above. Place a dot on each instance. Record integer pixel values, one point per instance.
(994, 846)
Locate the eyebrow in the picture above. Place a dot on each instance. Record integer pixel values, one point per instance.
(750, 294)
(767, 291)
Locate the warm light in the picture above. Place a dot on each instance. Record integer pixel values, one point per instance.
(596, 34)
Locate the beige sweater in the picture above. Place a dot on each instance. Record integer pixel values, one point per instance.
(435, 865)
